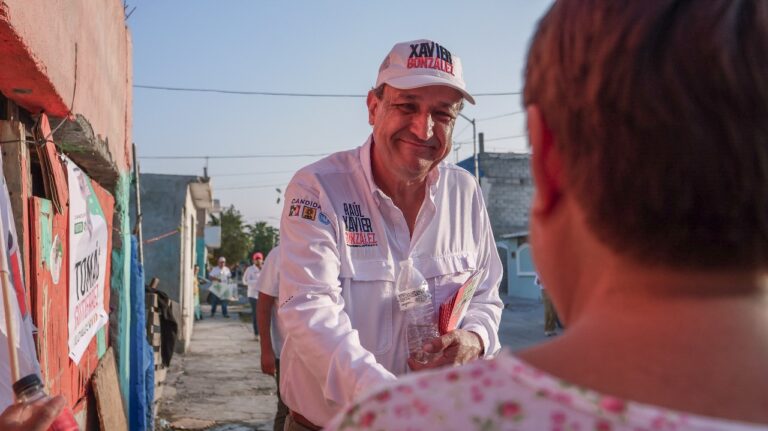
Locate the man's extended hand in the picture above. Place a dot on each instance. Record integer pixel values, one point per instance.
(31, 417)
(268, 362)
(454, 348)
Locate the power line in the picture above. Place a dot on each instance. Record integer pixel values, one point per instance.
(263, 186)
(252, 173)
(462, 130)
(248, 156)
(500, 138)
(285, 94)
(243, 92)
(500, 116)
(503, 138)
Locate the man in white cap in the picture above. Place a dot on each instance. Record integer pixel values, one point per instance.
(351, 218)
(219, 287)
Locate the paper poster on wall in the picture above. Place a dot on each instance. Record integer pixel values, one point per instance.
(88, 237)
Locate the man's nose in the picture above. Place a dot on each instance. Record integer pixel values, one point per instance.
(422, 125)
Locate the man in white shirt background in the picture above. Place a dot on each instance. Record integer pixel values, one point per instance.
(219, 289)
(351, 218)
(250, 278)
(269, 328)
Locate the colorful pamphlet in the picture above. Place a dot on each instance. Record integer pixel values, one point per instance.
(452, 311)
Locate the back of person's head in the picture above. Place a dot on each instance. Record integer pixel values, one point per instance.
(659, 109)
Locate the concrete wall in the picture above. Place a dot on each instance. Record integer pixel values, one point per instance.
(170, 225)
(187, 261)
(72, 59)
(163, 199)
(54, 49)
(508, 189)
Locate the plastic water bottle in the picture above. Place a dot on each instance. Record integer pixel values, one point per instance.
(30, 389)
(415, 301)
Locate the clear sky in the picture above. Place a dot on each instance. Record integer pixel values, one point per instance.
(304, 46)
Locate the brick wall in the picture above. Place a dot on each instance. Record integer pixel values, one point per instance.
(508, 189)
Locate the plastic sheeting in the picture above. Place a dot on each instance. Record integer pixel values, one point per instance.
(25, 346)
(142, 381)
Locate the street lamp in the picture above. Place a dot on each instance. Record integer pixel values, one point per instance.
(474, 145)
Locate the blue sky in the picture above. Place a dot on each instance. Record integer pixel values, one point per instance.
(304, 47)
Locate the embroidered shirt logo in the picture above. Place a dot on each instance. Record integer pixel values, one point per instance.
(304, 208)
(358, 229)
(309, 213)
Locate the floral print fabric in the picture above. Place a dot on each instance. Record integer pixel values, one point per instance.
(508, 394)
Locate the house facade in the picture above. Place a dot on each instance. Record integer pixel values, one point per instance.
(65, 90)
(507, 185)
(174, 212)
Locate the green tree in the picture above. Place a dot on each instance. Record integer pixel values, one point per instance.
(235, 238)
(263, 237)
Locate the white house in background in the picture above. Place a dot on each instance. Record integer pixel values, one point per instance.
(507, 185)
(174, 212)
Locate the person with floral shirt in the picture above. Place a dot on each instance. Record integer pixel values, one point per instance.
(648, 126)
(508, 394)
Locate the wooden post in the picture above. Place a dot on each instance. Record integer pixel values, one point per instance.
(139, 230)
(10, 312)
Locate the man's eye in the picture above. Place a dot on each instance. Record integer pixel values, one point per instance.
(406, 107)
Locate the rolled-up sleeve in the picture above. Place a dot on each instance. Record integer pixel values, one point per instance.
(484, 312)
(311, 307)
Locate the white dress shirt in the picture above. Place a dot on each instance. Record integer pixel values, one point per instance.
(251, 278)
(220, 288)
(268, 285)
(341, 241)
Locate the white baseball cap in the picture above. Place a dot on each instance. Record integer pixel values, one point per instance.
(222, 259)
(420, 63)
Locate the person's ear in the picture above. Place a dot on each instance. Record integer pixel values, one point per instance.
(545, 163)
(373, 103)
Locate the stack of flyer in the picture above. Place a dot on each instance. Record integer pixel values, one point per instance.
(455, 307)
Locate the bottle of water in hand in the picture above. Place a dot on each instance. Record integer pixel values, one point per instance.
(416, 302)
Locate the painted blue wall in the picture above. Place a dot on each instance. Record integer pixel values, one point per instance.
(521, 269)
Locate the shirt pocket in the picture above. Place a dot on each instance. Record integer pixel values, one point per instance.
(445, 274)
(368, 292)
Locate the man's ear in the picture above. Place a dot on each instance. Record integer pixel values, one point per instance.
(545, 163)
(373, 103)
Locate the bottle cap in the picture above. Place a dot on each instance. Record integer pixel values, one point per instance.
(25, 383)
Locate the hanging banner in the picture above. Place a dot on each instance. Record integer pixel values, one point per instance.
(88, 237)
(25, 345)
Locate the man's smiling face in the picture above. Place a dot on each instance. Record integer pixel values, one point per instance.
(412, 129)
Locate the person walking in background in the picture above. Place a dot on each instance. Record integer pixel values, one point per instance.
(352, 219)
(551, 320)
(251, 278)
(648, 127)
(269, 328)
(196, 290)
(220, 287)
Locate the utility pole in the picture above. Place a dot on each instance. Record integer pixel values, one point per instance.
(474, 145)
(139, 230)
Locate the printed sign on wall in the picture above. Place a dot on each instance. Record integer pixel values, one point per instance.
(87, 262)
